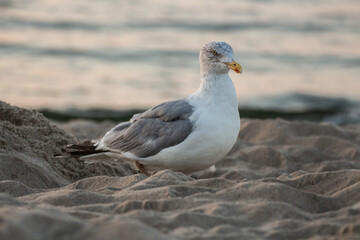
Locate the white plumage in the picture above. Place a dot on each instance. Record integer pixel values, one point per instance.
(211, 113)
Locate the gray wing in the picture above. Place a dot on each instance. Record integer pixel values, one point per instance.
(147, 133)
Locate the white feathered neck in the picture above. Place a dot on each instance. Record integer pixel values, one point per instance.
(216, 88)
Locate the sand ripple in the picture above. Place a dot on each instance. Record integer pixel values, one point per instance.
(282, 180)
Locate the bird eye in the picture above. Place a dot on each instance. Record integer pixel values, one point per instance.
(214, 53)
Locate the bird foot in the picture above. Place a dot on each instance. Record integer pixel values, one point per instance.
(142, 169)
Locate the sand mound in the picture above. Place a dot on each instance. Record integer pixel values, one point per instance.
(28, 142)
(282, 180)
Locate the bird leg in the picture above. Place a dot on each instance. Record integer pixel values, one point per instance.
(141, 168)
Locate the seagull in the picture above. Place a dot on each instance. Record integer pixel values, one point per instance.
(185, 135)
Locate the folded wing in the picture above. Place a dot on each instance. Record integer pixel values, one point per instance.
(148, 133)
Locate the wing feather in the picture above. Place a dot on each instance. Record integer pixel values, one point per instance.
(146, 134)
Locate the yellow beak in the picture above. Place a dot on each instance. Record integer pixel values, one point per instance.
(234, 66)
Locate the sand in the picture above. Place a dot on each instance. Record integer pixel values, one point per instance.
(282, 180)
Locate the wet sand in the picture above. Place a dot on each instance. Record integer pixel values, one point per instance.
(282, 180)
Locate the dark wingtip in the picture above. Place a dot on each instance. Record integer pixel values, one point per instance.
(81, 149)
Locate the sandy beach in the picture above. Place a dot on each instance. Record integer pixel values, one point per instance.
(282, 180)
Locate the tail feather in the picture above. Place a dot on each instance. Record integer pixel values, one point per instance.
(81, 149)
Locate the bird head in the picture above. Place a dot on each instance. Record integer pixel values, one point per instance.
(218, 57)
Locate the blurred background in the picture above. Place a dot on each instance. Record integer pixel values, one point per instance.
(101, 59)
